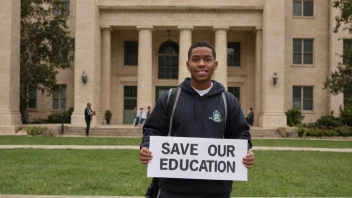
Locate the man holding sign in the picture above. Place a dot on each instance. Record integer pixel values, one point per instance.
(201, 112)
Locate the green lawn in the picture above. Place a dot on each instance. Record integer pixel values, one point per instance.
(49, 140)
(119, 172)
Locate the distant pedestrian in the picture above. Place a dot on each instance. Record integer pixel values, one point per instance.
(88, 114)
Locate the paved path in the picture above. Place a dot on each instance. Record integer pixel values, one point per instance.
(263, 148)
(61, 196)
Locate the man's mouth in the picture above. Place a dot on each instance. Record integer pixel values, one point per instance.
(201, 72)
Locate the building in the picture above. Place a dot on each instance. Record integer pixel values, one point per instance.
(273, 55)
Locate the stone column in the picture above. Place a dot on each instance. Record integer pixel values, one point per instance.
(10, 15)
(220, 74)
(145, 75)
(273, 109)
(105, 69)
(87, 60)
(185, 44)
(336, 47)
(258, 74)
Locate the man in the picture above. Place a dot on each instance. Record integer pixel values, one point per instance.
(200, 98)
(143, 116)
(250, 117)
(88, 114)
(139, 117)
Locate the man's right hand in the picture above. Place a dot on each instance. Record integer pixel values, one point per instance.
(145, 155)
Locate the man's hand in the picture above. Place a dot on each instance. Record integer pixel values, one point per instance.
(248, 160)
(145, 155)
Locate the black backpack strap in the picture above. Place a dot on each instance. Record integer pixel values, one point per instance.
(172, 100)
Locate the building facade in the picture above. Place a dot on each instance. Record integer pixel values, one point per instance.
(273, 56)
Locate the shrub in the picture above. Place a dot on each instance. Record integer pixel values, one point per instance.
(329, 133)
(294, 117)
(328, 122)
(35, 130)
(344, 131)
(302, 132)
(309, 125)
(108, 114)
(346, 113)
(314, 132)
(39, 121)
(57, 116)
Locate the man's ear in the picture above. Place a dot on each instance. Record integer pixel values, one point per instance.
(187, 64)
(216, 65)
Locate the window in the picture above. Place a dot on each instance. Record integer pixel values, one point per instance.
(347, 94)
(303, 51)
(32, 98)
(302, 98)
(63, 6)
(303, 8)
(130, 97)
(168, 60)
(129, 104)
(59, 97)
(347, 47)
(236, 91)
(160, 90)
(131, 53)
(234, 54)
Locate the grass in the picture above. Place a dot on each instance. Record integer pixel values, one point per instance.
(50, 140)
(119, 173)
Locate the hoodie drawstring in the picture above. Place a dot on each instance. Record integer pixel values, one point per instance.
(196, 107)
(205, 105)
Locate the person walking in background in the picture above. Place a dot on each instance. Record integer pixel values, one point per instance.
(148, 112)
(88, 114)
(142, 117)
(250, 117)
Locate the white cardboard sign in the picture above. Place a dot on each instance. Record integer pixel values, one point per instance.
(197, 158)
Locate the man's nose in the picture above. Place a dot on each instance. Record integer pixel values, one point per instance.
(201, 63)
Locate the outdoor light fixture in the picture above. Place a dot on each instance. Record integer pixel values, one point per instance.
(84, 77)
(275, 78)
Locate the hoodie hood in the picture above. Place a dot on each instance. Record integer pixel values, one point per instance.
(215, 90)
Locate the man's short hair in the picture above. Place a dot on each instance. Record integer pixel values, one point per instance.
(251, 109)
(201, 44)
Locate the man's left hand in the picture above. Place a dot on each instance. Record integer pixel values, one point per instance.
(248, 160)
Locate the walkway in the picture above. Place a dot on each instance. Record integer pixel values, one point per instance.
(262, 148)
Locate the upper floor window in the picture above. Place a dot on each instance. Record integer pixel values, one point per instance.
(61, 7)
(303, 8)
(302, 98)
(131, 53)
(303, 51)
(168, 60)
(233, 54)
(32, 98)
(59, 97)
(347, 95)
(347, 47)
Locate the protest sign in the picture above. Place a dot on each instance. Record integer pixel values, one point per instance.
(197, 158)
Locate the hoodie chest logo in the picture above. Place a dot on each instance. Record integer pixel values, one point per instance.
(216, 116)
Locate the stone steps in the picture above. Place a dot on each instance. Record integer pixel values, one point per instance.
(137, 131)
(76, 131)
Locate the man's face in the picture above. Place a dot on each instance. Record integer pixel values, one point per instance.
(201, 64)
(89, 105)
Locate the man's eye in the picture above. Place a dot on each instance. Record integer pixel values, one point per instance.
(195, 59)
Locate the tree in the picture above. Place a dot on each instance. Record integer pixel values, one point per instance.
(46, 46)
(341, 79)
